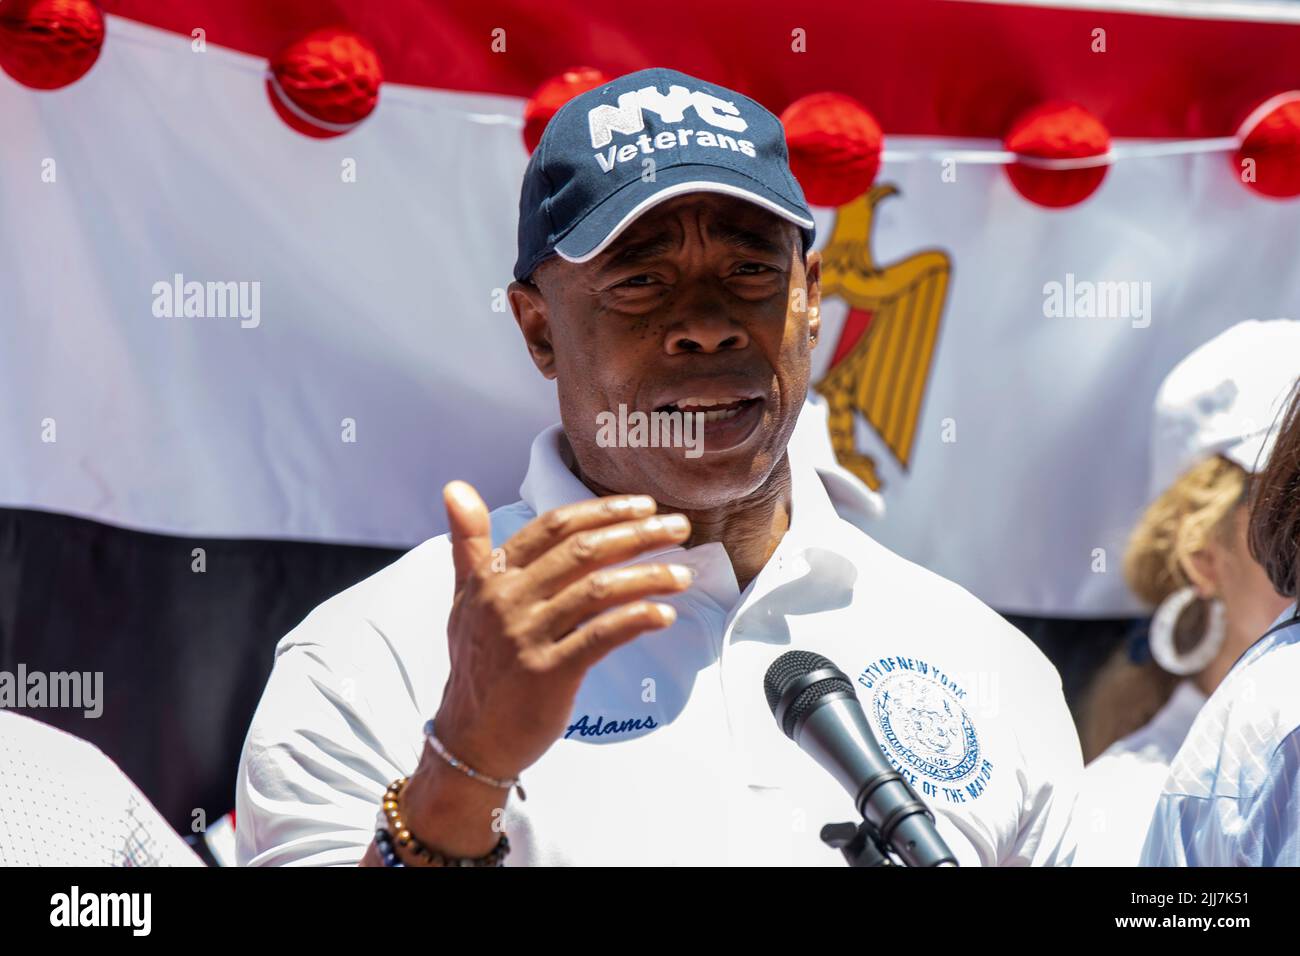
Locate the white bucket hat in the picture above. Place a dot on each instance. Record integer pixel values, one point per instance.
(1225, 398)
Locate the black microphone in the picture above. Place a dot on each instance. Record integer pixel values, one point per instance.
(817, 708)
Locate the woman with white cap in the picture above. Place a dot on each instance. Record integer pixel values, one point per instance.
(1232, 797)
(1188, 559)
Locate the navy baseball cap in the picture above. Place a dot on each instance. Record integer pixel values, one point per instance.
(619, 149)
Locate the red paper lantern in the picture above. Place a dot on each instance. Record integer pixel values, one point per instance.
(551, 95)
(1270, 137)
(834, 145)
(47, 44)
(1056, 131)
(326, 83)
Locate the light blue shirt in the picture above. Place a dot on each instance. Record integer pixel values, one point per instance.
(1233, 793)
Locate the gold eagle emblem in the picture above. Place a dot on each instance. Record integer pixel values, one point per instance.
(881, 363)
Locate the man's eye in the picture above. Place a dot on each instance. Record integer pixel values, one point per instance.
(640, 281)
(752, 268)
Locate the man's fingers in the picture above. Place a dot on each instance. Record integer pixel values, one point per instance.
(546, 531)
(588, 551)
(610, 587)
(470, 528)
(589, 643)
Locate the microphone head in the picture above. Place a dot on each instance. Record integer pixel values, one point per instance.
(797, 682)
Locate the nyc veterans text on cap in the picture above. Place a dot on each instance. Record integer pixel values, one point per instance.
(617, 150)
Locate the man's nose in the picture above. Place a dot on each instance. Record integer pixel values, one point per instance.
(708, 330)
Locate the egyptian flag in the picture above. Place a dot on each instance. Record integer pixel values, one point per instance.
(253, 314)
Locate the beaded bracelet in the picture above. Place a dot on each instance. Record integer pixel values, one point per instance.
(391, 832)
(384, 844)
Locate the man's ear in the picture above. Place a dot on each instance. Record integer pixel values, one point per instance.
(529, 307)
(813, 281)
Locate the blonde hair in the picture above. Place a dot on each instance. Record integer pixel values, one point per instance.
(1190, 512)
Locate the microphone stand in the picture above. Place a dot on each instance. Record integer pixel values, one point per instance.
(860, 844)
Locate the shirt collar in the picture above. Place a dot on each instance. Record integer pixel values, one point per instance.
(1287, 619)
(550, 483)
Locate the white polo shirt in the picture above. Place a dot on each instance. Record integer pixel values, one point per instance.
(1232, 797)
(672, 755)
(1120, 788)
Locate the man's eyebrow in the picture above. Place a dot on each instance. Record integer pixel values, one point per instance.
(652, 247)
(642, 251)
(749, 239)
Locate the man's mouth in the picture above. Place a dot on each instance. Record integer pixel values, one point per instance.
(715, 409)
(729, 415)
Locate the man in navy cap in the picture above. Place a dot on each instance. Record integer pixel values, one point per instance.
(605, 638)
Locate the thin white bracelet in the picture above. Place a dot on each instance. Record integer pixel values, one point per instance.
(465, 768)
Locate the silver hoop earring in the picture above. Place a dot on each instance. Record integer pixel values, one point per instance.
(1165, 621)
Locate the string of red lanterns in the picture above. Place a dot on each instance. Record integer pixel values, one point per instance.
(1057, 153)
(327, 83)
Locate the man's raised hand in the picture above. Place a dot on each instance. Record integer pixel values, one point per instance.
(529, 620)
